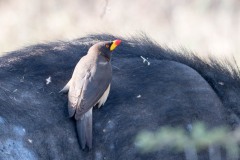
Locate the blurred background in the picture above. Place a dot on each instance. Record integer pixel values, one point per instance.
(203, 26)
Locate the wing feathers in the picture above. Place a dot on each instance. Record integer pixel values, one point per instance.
(94, 87)
(66, 87)
(104, 97)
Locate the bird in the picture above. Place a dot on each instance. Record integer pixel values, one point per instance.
(89, 86)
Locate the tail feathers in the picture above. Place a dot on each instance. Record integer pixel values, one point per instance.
(84, 129)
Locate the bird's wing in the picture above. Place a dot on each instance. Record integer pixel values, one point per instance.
(95, 84)
(85, 93)
(75, 85)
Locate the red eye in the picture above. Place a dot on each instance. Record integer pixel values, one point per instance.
(107, 46)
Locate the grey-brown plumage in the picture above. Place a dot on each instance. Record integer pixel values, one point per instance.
(90, 85)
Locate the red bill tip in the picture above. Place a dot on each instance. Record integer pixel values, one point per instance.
(117, 42)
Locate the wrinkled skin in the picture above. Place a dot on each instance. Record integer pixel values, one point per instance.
(175, 90)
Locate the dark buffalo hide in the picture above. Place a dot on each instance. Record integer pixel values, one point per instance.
(151, 87)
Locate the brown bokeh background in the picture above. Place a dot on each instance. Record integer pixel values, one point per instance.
(204, 26)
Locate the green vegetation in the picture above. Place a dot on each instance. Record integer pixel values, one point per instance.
(190, 141)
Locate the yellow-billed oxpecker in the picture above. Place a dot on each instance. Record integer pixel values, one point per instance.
(90, 86)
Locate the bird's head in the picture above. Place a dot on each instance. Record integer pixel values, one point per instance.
(105, 48)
